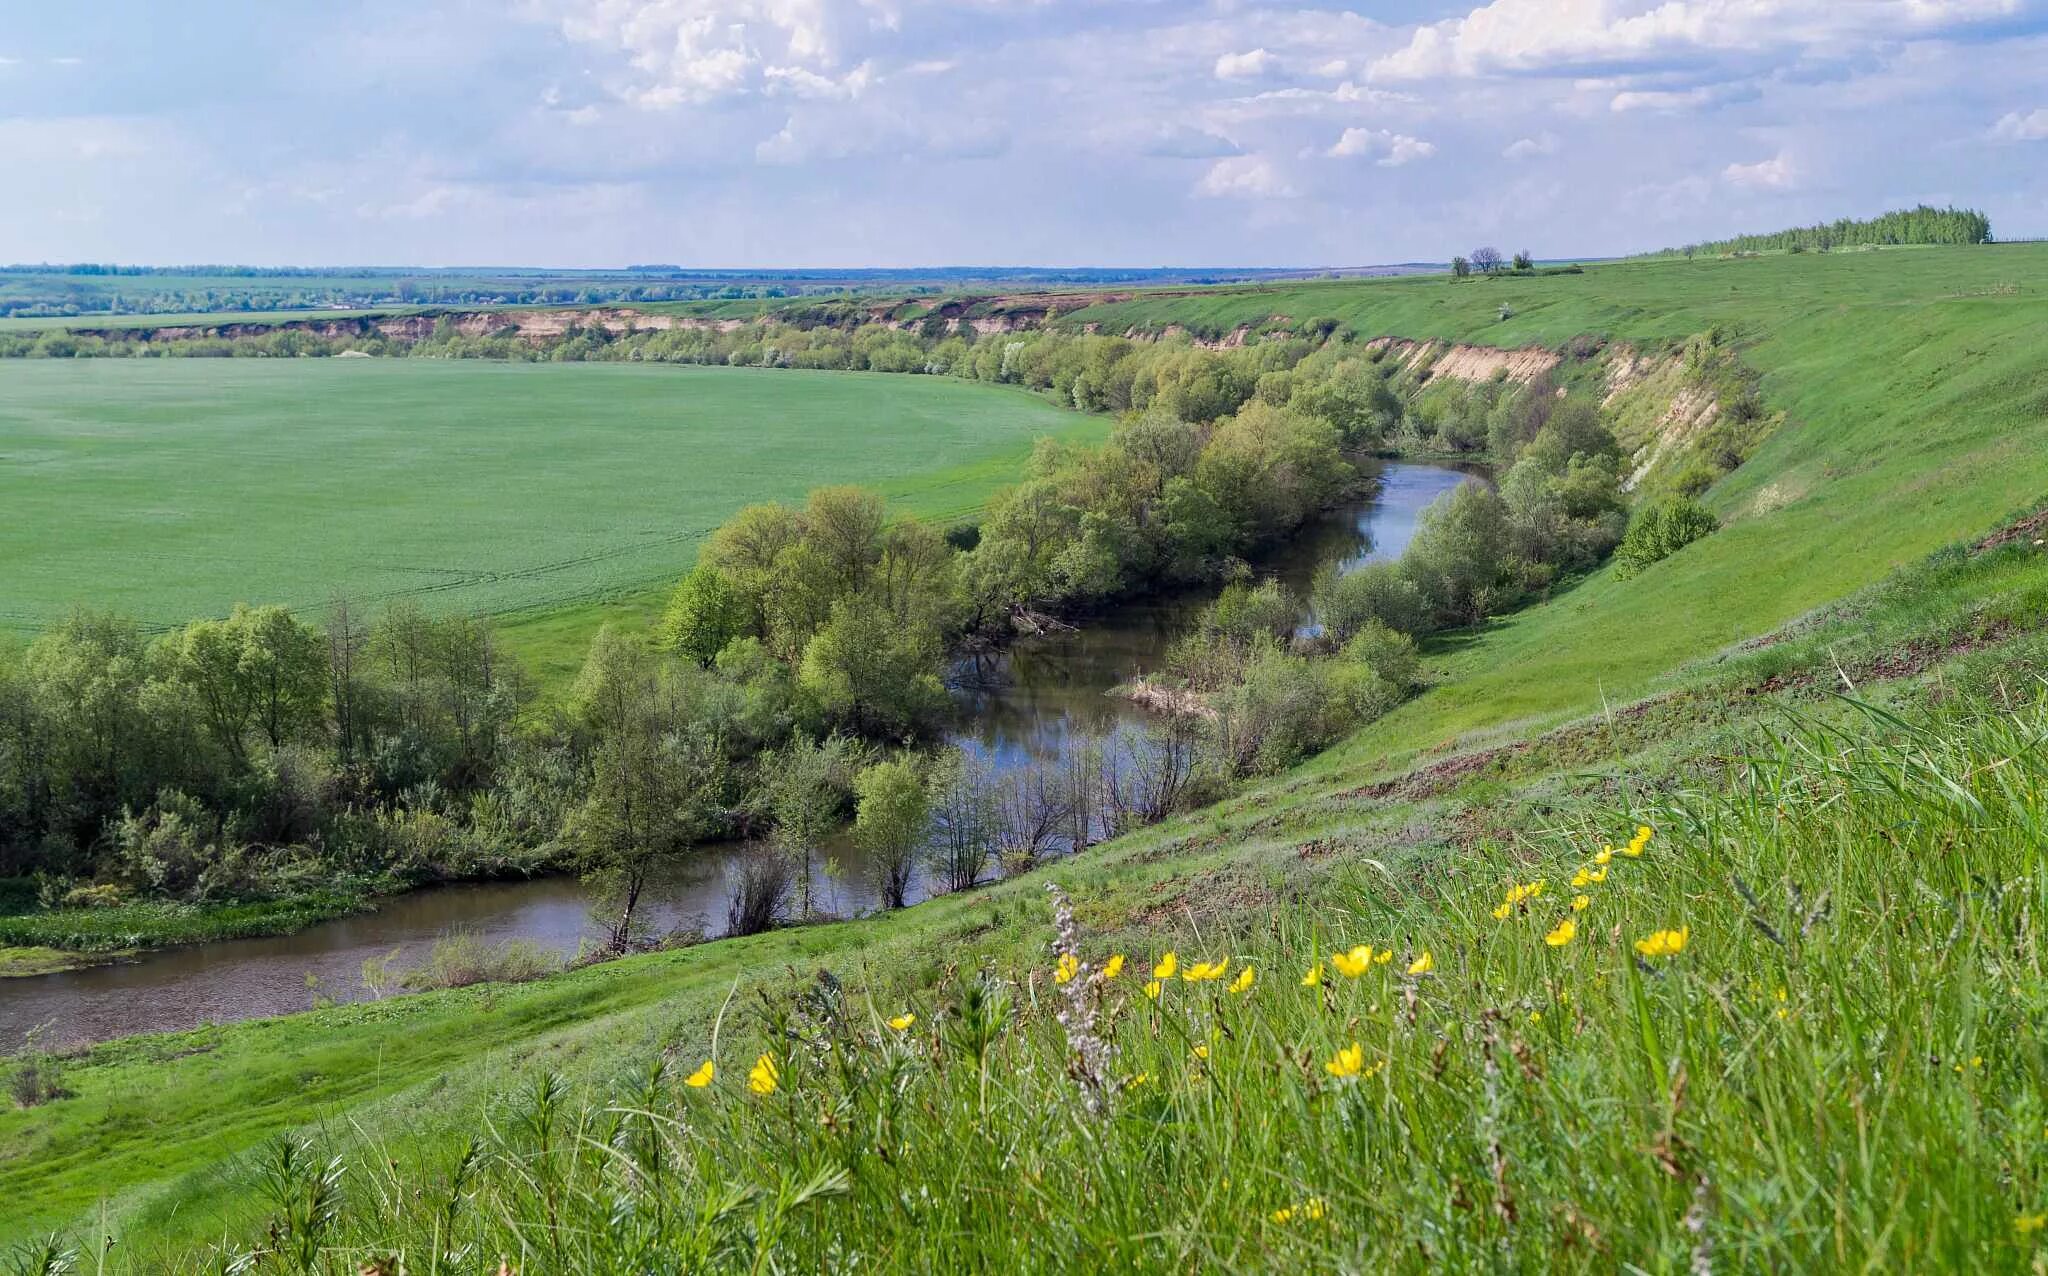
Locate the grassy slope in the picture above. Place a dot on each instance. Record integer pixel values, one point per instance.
(1916, 417)
(1917, 393)
(175, 488)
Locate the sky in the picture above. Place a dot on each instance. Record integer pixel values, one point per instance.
(755, 133)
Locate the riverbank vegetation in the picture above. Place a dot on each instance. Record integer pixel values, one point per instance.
(1650, 914)
(230, 765)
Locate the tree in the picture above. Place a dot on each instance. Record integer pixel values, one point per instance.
(889, 825)
(963, 820)
(704, 614)
(871, 674)
(844, 525)
(1523, 261)
(1459, 551)
(1460, 268)
(1486, 260)
(797, 782)
(653, 790)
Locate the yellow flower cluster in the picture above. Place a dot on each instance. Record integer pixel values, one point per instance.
(1664, 943)
(1518, 895)
(1311, 1210)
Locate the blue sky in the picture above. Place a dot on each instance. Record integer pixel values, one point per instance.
(996, 132)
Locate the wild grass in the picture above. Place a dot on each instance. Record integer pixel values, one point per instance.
(160, 924)
(1798, 1031)
(465, 957)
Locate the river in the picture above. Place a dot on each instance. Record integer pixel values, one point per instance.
(1033, 701)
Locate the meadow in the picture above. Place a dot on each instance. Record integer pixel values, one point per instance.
(1799, 1031)
(170, 489)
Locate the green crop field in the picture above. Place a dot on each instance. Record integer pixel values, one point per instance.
(170, 489)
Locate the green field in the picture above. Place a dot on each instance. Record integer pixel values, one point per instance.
(171, 489)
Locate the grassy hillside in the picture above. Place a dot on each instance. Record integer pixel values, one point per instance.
(1840, 1066)
(1846, 1037)
(1916, 392)
(171, 489)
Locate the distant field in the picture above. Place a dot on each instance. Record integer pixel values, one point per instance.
(171, 489)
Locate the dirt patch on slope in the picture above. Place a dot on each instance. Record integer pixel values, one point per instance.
(1468, 363)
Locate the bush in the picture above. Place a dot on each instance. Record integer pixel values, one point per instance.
(757, 892)
(463, 957)
(1375, 594)
(36, 1077)
(1661, 530)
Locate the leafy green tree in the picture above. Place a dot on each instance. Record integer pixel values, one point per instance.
(1376, 593)
(889, 825)
(653, 788)
(704, 614)
(1459, 555)
(871, 674)
(799, 784)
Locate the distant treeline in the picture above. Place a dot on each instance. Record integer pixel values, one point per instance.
(1922, 225)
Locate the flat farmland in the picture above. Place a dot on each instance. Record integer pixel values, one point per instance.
(550, 494)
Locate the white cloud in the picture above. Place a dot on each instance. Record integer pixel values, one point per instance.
(1246, 66)
(1775, 174)
(1676, 100)
(1390, 149)
(1544, 143)
(692, 51)
(1244, 177)
(1509, 37)
(1334, 68)
(2015, 127)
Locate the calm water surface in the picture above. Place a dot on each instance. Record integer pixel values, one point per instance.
(1031, 702)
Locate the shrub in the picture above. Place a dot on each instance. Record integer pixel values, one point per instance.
(757, 892)
(36, 1077)
(1660, 530)
(1377, 593)
(463, 957)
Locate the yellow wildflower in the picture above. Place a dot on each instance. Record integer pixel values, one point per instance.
(1352, 964)
(1581, 878)
(1579, 903)
(1313, 976)
(1597, 876)
(1285, 1214)
(1664, 943)
(1202, 971)
(1313, 1208)
(1152, 989)
(702, 1076)
(1605, 856)
(1422, 965)
(1348, 1062)
(1562, 933)
(902, 1022)
(1243, 982)
(1113, 967)
(764, 1076)
(1141, 1079)
(1635, 846)
(1201, 1051)
(1167, 966)
(1069, 966)
(1382, 956)
(1500, 914)
(2026, 1223)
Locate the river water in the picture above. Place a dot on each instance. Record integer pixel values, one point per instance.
(1029, 703)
